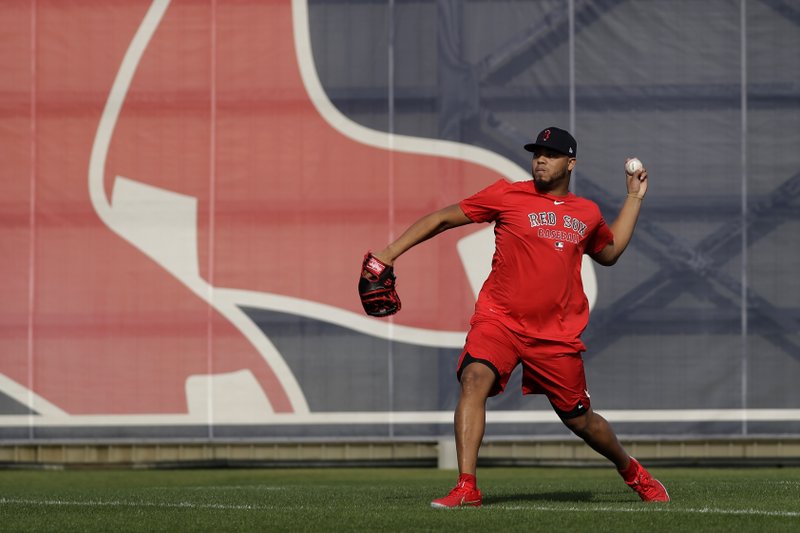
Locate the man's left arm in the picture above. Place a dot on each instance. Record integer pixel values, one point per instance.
(623, 226)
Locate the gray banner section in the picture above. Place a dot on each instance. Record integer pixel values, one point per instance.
(702, 311)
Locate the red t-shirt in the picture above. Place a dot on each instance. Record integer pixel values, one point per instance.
(535, 286)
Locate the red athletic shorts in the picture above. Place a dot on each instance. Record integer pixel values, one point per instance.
(552, 368)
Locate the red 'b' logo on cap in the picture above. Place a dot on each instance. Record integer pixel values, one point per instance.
(545, 135)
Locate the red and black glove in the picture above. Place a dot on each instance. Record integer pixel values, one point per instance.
(376, 287)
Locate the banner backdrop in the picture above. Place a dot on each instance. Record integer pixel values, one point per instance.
(188, 189)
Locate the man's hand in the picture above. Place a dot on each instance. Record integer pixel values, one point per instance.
(637, 183)
(376, 287)
(623, 226)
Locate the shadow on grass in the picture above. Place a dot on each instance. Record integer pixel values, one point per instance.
(571, 496)
(556, 497)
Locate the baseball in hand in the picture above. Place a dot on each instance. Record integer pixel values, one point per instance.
(633, 165)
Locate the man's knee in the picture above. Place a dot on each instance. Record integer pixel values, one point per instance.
(477, 378)
(580, 425)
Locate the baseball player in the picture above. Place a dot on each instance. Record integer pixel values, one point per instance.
(531, 310)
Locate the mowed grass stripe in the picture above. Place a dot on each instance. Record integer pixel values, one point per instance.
(588, 508)
(394, 499)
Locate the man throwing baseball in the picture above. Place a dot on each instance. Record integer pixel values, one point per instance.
(532, 309)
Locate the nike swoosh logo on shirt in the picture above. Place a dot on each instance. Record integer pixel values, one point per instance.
(557, 202)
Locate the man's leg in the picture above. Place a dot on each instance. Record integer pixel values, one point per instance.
(597, 433)
(477, 380)
(470, 416)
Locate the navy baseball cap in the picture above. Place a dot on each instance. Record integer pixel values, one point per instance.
(555, 139)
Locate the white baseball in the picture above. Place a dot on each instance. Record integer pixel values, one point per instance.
(633, 165)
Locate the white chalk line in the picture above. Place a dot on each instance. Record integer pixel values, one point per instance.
(649, 508)
(122, 503)
(644, 508)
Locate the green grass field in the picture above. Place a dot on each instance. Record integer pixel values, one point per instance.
(394, 499)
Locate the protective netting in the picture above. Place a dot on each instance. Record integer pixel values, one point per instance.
(188, 189)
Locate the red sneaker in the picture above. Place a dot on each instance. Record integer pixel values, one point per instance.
(461, 496)
(649, 488)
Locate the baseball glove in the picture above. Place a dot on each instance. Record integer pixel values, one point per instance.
(376, 287)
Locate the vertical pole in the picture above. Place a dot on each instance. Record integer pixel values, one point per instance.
(571, 15)
(391, 97)
(212, 177)
(32, 228)
(744, 243)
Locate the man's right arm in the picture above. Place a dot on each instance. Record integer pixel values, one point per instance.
(423, 229)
